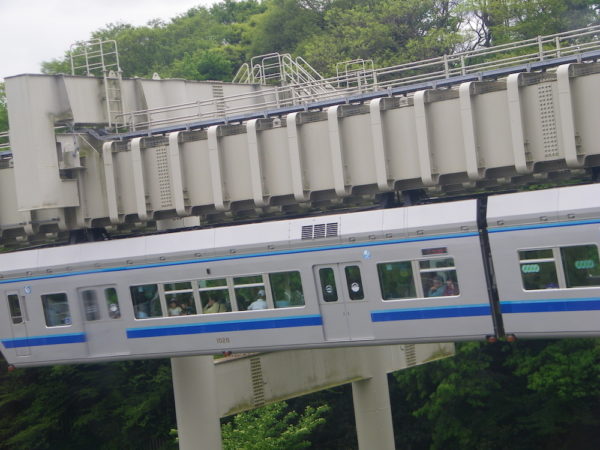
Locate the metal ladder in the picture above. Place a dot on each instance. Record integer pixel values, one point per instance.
(101, 58)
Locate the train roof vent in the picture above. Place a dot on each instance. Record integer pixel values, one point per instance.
(332, 229)
(307, 232)
(320, 230)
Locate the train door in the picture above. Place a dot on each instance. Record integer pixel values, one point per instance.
(344, 307)
(18, 322)
(104, 328)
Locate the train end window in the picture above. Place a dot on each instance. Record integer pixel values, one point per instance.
(146, 301)
(286, 289)
(396, 280)
(56, 309)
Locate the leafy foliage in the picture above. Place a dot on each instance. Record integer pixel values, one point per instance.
(272, 427)
(3, 110)
(115, 406)
(211, 43)
(539, 394)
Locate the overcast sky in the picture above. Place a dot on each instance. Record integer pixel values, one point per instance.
(32, 31)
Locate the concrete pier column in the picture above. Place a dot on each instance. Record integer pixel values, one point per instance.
(372, 409)
(195, 389)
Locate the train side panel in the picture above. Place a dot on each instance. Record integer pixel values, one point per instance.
(405, 275)
(464, 314)
(29, 339)
(545, 256)
(228, 331)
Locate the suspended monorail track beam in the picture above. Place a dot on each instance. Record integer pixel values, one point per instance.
(486, 131)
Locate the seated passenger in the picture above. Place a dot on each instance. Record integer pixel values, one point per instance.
(451, 288)
(213, 306)
(259, 303)
(140, 311)
(437, 287)
(174, 309)
(186, 309)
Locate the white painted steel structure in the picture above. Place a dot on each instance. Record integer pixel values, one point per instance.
(479, 135)
(224, 151)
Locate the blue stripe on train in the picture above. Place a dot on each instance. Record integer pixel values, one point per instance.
(438, 312)
(547, 305)
(36, 341)
(537, 226)
(220, 327)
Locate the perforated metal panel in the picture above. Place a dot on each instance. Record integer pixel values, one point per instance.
(548, 119)
(163, 177)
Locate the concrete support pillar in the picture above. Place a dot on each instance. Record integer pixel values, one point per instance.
(194, 386)
(372, 409)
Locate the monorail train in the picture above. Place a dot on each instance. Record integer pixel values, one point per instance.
(523, 264)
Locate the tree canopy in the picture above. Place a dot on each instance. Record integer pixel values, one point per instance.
(3, 110)
(211, 43)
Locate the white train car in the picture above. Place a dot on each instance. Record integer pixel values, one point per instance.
(412, 274)
(545, 251)
(526, 267)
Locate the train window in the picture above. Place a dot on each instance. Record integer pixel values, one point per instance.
(328, 287)
(15, 308)
(215, 282)
(250, 293)
(214, 295)
(538, 269)
(354, 283)
(438, 277)
(89, 302)
(56, 309)
(396, 280)
(112, 303)
(146, 301)
(286, 288)
(180, 298)
(581, 265)
(536, 254)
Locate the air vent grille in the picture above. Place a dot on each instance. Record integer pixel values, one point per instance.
(320, 230)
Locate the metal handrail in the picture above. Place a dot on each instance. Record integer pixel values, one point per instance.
(302, 86)
(96, 54)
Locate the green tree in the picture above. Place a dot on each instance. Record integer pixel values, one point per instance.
(113, 406)
(272, 427)
(3, 109)
(537, 394)
(386, 31)
(494, 22)
(281, 27)
(212, 64)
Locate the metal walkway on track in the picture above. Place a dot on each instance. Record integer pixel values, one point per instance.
(459, 131)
